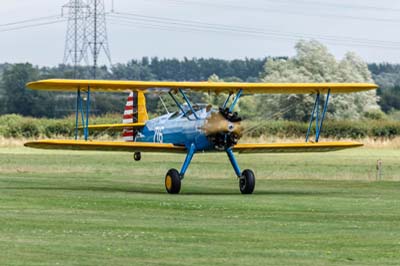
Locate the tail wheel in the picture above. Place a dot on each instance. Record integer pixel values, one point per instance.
(173, 181)
(137, 156)
(247, 182)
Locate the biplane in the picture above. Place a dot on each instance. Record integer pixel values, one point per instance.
(193, 128)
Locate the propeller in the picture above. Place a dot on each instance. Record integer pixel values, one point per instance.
(223, 128)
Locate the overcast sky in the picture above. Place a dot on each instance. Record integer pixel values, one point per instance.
(231, 29)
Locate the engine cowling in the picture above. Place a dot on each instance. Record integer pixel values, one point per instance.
(223, 129)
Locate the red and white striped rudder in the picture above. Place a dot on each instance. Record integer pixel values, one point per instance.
(135, 112)
(130, 116)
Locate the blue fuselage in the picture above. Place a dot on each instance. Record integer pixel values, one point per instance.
(178, 129)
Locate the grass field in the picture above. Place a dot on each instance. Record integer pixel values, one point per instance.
(86, 208)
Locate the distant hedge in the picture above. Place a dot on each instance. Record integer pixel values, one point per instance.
(331, 129)
(15, 126)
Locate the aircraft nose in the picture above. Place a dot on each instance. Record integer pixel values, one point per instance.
(216, 123)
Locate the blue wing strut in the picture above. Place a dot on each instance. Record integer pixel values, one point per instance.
(318, 122)
(80, 109)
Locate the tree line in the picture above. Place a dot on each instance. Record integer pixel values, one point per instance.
(15, 98)
(312, 63)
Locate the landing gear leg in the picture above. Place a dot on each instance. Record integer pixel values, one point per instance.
(173, 178)
(137, 156)
(247, 179)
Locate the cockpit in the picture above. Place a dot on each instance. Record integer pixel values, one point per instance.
(201, 111)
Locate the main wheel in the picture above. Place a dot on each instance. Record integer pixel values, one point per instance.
(247, 182)
(137, 156)
(173, 181)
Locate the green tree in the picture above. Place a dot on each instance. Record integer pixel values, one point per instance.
(18, 99)
(314, 63)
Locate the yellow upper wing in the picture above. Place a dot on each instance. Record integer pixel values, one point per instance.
(295, 147)
(218, 87)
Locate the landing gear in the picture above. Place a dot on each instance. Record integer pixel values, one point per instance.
(137, 156)
(173, 181)
(247, 182)
(173, 178)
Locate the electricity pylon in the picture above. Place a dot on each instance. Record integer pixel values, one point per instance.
(97, 32)
(75, 39)
(86, 34)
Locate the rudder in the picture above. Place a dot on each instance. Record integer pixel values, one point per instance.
(135, 112)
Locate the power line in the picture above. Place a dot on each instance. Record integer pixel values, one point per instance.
(202, 26)
(336, 5)
(259, 36)
(32, 25)
(297, 12)
(29, 20)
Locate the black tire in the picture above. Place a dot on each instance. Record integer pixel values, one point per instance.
(173, 181)
(247, 182)
(137, 156)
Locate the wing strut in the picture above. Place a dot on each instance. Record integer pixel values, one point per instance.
(80, 109)
(238, 94)
(188, 102)
(318, 123)
(227, 100)
(177, 103)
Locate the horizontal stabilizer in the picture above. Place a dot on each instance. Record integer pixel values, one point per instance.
(105, 146)
(295, 147)
(116, 126)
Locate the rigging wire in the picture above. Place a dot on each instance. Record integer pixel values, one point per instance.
(163, 103)
(275, 115)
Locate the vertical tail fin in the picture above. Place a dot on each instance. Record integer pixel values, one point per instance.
(135, 112)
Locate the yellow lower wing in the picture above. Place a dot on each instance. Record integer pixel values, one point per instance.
(161, 147)
(295, 147)
(105, 146)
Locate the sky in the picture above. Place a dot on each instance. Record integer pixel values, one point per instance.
(225, 29)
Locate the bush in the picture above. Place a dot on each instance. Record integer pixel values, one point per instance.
(375, 115)
(15, 126)
(29, 130)
(390, 129)
(59, 128)
(332, 129)
(345, 129)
